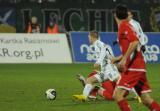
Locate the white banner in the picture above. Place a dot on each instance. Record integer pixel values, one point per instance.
(34, 48)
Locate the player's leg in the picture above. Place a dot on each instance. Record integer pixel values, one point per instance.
(120, 99)
(88, 87)
(93, 93)
(125, 84)
(99, 77)
(95, 90)
(81, 79)
(144, 93)
(112, 74)
(150, 102)
(136, 97)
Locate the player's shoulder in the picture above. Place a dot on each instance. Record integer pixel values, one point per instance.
(99, 43)
(107, 46)
(132, 21)
(125, 23)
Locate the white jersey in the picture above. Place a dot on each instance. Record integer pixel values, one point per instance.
(103, 53)
(137, 28)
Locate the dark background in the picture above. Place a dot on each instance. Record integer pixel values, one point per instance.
(79, 15)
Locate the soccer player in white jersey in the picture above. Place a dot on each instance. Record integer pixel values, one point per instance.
(108, 71)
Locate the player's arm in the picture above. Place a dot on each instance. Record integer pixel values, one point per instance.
(116, 59)
(101, 56)
(132, 37)
(110, 51)
(132, 47)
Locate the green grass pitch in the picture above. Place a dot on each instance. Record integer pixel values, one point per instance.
(22, 88)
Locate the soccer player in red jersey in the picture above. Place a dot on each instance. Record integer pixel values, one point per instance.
(132, 64)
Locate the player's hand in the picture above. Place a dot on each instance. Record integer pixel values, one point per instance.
(122, 64)
(96, 66)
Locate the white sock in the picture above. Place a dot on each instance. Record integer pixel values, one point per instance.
(87, 89)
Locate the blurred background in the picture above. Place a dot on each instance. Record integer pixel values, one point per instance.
(74, 15)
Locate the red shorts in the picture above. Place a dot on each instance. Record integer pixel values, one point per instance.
(134, 79)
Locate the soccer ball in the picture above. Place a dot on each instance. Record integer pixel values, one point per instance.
(51, 94)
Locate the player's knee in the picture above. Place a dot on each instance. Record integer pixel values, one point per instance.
(88, 80)
(146, 99)
(118, 95)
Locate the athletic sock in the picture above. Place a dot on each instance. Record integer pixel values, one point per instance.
(123, 105)
(154, 106)
(87, 89)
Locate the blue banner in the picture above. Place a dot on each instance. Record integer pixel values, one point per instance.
(83, 52)
(152, 54)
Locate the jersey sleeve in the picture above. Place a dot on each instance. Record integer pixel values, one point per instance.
(131, 35)
(142, 35)
(109, 51)
(102, 53)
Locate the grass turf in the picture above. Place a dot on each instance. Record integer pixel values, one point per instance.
(22, 88)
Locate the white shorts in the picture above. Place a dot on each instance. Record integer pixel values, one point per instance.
(110, 73)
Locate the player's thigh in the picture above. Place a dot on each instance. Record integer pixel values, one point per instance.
(101, 77)
(92, 73)
(91, 80)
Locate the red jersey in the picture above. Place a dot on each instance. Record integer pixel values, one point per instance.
(126, 35)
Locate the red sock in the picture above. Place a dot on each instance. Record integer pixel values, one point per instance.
(107, 95)
(123, 105)
(154, 106)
